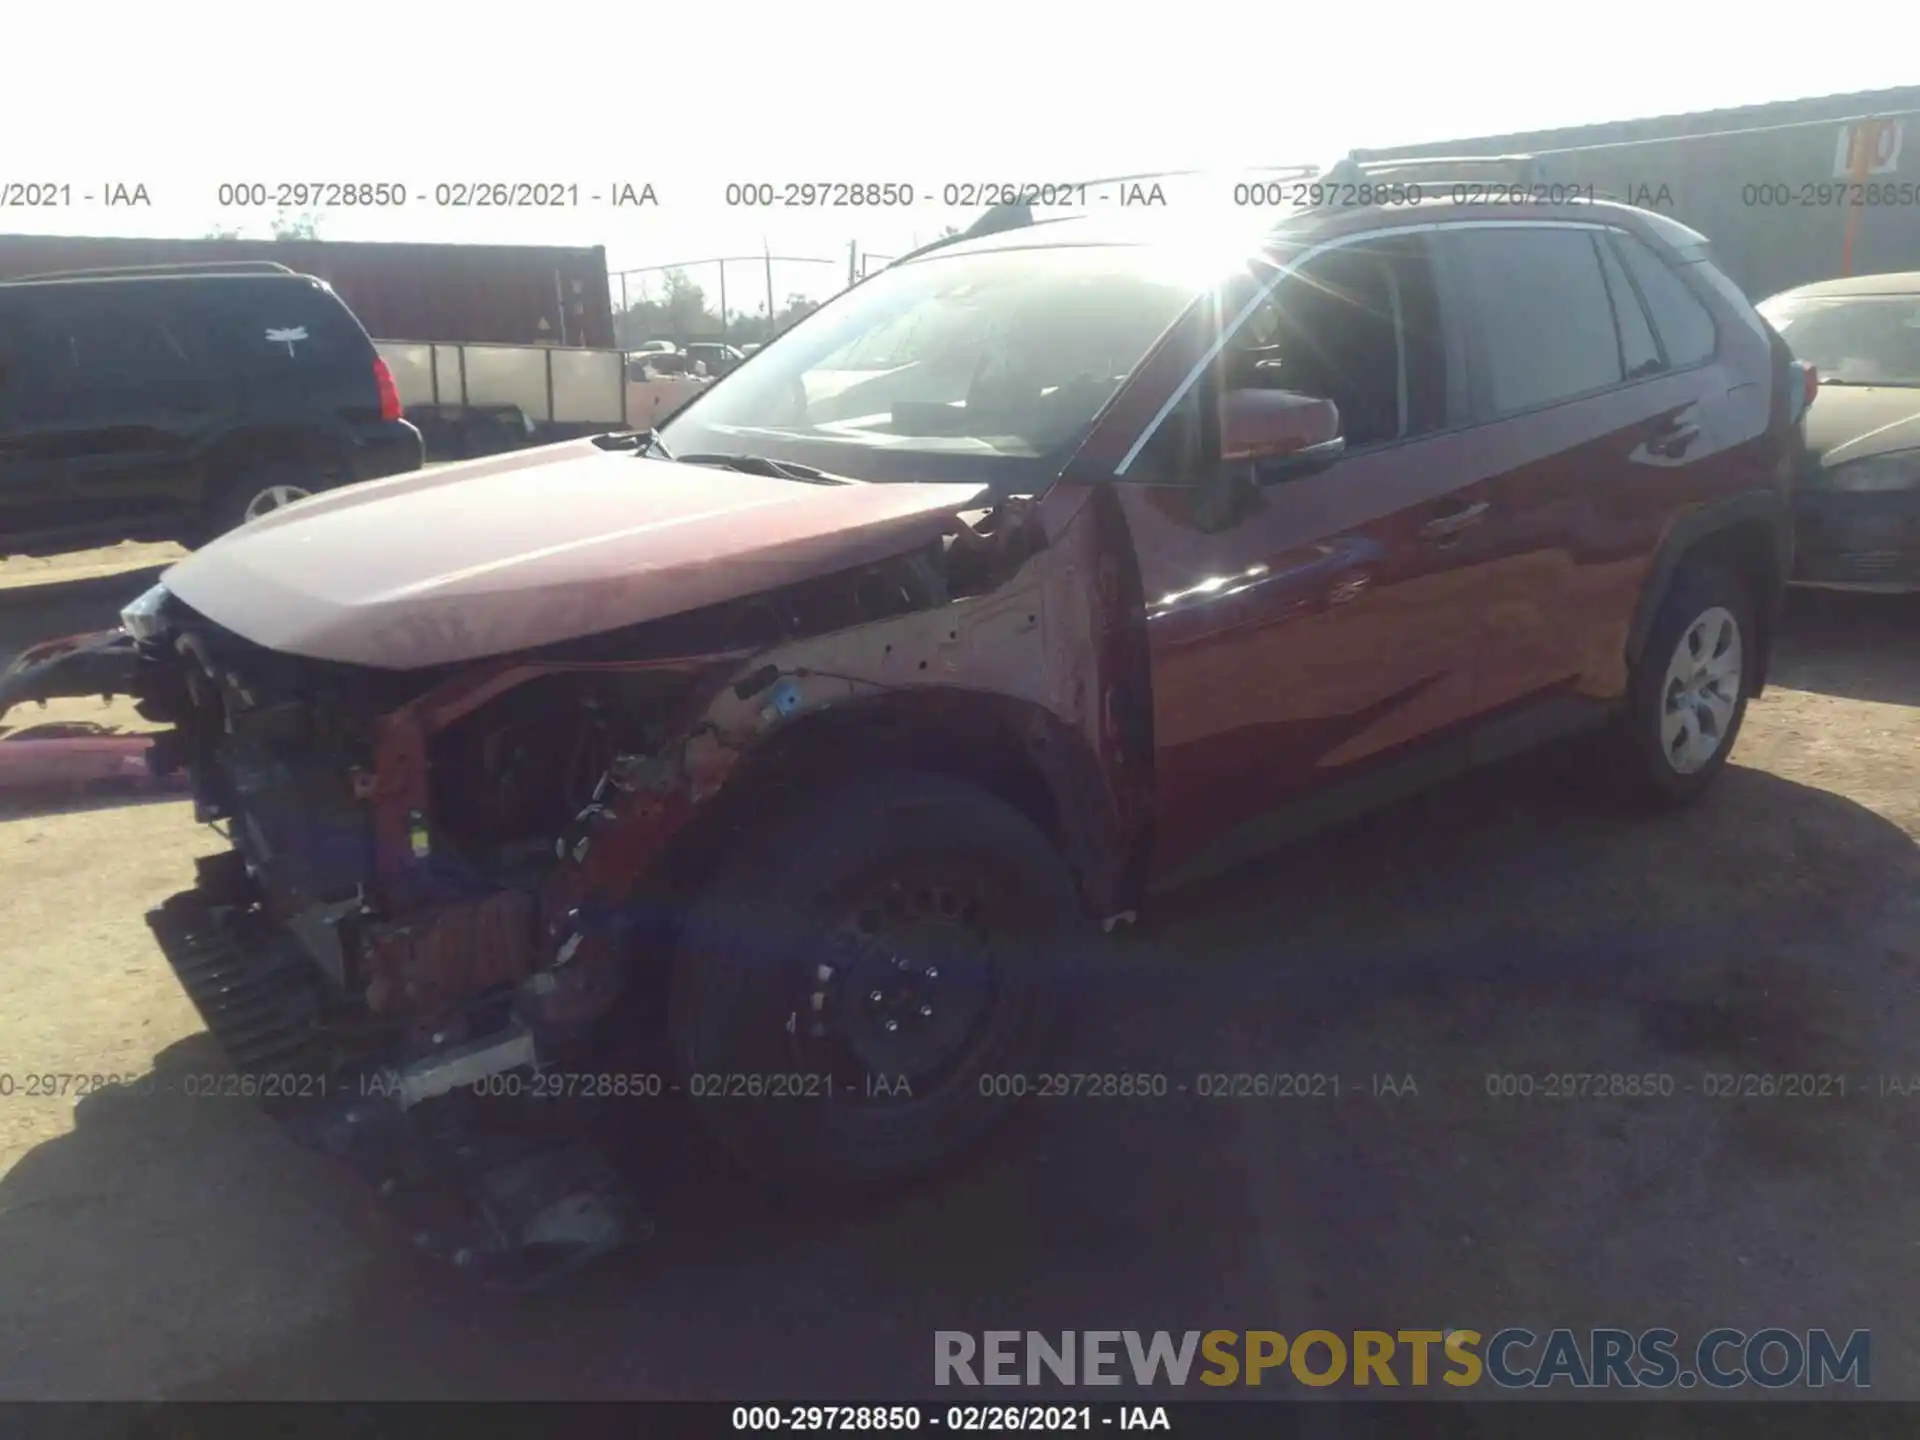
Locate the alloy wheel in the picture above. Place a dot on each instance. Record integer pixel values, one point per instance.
(1701, 691)
(272, 498)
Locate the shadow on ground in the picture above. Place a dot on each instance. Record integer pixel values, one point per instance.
(1861, 647)
(177, 1244)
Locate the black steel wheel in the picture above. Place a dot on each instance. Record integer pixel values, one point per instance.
(864, 968)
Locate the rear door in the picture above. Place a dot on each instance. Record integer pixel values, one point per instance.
(1306, 630)
(123, 406)
(1588, 422)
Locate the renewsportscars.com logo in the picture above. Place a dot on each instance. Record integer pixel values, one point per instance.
(1513, 1359)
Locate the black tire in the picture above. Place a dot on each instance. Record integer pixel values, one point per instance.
(1641, 761)
(759, 943)
(228, 509)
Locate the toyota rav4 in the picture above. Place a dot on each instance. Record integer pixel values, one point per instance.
(1037, 572)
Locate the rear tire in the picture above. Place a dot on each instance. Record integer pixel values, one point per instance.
(941, 900)
(260, 489)
(1688, 692)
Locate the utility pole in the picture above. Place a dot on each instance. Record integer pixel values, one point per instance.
(767, 254)
(853, 263)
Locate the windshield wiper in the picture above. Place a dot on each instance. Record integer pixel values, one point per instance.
(766, 465)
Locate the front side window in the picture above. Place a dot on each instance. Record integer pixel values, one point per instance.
(1358, 325)
(1546, 322)
(1852, 339)
(985, 366)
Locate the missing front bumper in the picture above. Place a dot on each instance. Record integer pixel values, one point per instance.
(79, 667)
(516, 1207)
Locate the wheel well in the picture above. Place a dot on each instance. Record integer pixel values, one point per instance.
(978, 741)
(266, 447)
(1748, 549)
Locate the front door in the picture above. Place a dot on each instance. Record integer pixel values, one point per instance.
(1305, 629)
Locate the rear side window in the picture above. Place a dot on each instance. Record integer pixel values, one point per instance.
(1545, 320)
(1681, 321)
(106, 338)
(281, 327)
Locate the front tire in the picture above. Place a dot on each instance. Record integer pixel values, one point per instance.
(1688, 693)
(896, 926)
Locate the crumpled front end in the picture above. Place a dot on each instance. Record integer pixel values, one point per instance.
(444, 882)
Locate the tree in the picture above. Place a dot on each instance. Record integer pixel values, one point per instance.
(227, 234)
(685, 306)
(303, 226)
(682, 315)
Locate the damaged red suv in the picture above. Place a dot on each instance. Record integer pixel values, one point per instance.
(1040, 571)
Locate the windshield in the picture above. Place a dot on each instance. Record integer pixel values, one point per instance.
(986, 367)
(1853, 339)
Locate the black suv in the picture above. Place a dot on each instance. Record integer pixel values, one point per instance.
(177, 402)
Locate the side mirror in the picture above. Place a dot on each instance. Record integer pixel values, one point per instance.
(1279, 433)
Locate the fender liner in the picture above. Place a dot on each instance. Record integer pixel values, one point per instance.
(1769, 508)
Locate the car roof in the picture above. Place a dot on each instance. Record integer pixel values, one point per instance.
(1900, 282)
(90, 280)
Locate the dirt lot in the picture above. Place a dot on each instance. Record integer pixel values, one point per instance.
(166, 1245)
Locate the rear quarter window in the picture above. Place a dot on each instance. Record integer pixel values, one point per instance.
(1681, 320)
(287, 328)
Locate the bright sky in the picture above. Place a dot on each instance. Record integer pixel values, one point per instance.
(690, 96)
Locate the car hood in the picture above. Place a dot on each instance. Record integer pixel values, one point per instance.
(491, 556)
(1850, 422)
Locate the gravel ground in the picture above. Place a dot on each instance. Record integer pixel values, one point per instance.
(162, 1245)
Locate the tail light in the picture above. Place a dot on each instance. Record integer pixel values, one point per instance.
(390, 407)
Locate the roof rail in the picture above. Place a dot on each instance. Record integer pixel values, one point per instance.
(1018, 216)
(199, 267)
(1525, 169)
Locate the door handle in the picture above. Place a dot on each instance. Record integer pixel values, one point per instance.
(1446, 527)
(1675, 440)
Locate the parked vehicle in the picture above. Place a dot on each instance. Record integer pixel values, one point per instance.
(653, 347)
(1858, 509)
(476, 294)
(652, 364)
(471, 400)
(180, 402)
(838, 715)
(719, 359)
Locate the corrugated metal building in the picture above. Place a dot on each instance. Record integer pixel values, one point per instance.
(500, 294)
(1768, 184)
